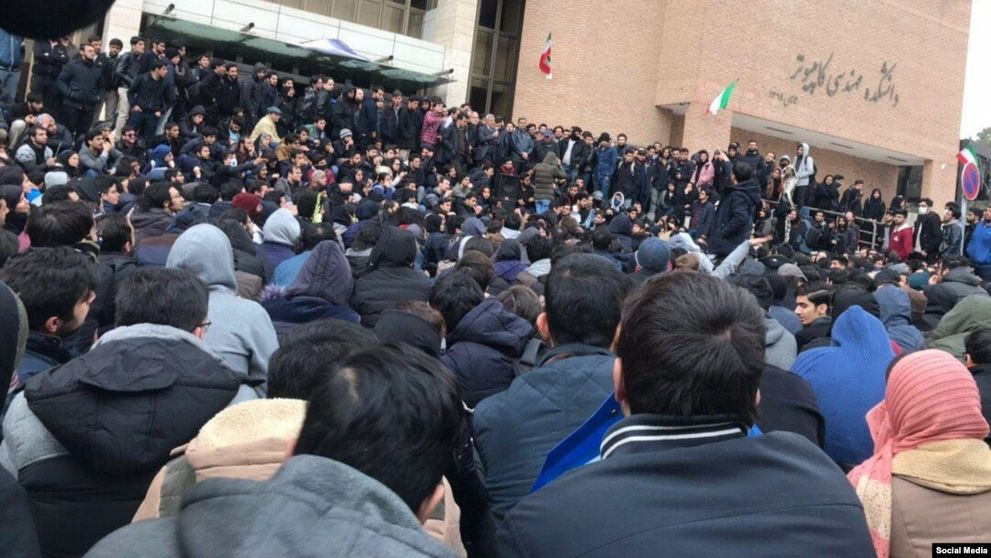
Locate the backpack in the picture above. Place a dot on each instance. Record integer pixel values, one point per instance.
(531, 355)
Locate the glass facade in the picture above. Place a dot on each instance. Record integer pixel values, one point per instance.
(397, 16)
(495, 55)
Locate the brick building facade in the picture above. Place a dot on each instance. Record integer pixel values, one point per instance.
(872, 86)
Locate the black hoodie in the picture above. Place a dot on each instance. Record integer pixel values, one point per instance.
(392, 278)
(735, 217)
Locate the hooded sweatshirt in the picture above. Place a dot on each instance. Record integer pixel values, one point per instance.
(848, 379)
(780, 347)
(544, 174)
(735, 217)
(482, 350)
(391, 279)
(321, 290)
(942, 297)
(509, 261)
(280, 233)
(804, 167)
(972, 313)
(312, 506)
(240, 331)
(896, 313)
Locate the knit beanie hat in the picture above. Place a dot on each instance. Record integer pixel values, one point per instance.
(248, 202)
(653, 255)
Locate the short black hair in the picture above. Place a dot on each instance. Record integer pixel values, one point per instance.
(478, 266)
(59, 224)
(742, 171)
(977, 344)
(539, 248)
(522, 301)
(49, 282)
(583, 300)
(310, 351)
(315, 233)
(156, 196)
(454, 295)
(165, 296)
(691, 345)
(817, 292)
(115, 232)
(382, 406)
(757, 285)
(205, 193)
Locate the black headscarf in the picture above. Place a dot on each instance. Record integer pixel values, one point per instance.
(395, 248)
(13, 335)
(402, 327)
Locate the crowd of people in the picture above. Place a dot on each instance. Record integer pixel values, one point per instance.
(244, 317)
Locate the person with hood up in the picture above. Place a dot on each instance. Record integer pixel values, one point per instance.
(391, 278)
(848, 380)
(805, 171)
(929, 478)
(241, 331)
(780, 348)
(978, 361)
(483, 341)
(321, 290)
(280, 234)
(736, 211)
(545, 174)
(85, 438)
(956, 282)
(969, 315)
(509, 261)
(896, 314)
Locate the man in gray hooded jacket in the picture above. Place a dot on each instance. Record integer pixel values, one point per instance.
(240, 329)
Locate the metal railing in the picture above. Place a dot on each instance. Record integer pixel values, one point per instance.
(870, 243)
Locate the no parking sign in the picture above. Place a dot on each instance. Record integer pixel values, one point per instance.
(970, 181)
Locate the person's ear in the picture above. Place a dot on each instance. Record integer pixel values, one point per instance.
(968, 361)
(757, 399)
(618, 386)
(428, 505)
(198, 332)
(542, 327)
(52, 325)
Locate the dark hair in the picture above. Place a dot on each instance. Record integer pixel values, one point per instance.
(156, 196)
(478, 266)
(59, 224)
(522, 301)
(309, 351)
(230, 189)
(115, 232)
(583, 299)
(691, 345)
(454, 295)
(817, 292)
(539, 248)
(315, 233)
(306, 203)
(385, 406)
(977, 344)
(50, 282)
(205, 193)
(165, 296)
(757, 285)
(742, 171)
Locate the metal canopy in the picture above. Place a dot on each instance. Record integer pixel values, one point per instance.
(330, 57)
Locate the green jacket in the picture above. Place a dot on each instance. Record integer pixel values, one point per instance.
(970, 314)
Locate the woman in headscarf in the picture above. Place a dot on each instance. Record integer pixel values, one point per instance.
(929, 479)
(70, 163)
(320, 291)
(874, 207)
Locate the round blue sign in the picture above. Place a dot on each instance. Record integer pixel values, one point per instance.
(970, 181)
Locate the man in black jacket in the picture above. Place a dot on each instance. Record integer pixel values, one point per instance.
(82, 86)
(735, 214)
(147, 100)
(684, 472)
(928, 232)
(753, 157)
(49, 58)
(125, 72)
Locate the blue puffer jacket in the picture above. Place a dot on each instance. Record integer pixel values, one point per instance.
(10, 50)
(482, 349)
(516, 428)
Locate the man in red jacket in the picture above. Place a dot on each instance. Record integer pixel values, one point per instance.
(901, 236)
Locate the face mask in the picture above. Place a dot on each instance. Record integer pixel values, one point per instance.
(923, 210)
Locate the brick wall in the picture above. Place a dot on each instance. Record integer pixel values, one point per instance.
(616, 61)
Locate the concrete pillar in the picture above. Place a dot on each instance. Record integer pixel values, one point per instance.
(705, 130)
(452, 24)
(123, 21)
(939, 181)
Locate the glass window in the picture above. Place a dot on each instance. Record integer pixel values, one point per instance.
(476, 95)
(482, 57)
(415, 28)
(418, 4)
(505, 63)
(392, 18)
(369, 12)
(344, 9)
(487, 13)
(511, 10)
(502, 100)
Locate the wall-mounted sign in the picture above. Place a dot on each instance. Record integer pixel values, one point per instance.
(816, 75)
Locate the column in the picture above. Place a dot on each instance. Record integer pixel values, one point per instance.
(939, 181)
(452, 24)
(123, 21)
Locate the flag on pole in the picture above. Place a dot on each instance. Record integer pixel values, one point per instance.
(545, 57)
(721, 101)
(967, 155)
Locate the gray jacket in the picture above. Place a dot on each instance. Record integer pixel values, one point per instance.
(313, 506)
(240, 329)
(780, 348)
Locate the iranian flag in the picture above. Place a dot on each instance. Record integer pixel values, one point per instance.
(967, 155)
(545, 57)
(722, 100)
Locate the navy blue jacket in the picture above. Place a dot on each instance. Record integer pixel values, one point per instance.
(734, 218)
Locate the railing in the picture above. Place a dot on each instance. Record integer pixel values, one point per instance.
(870, 243)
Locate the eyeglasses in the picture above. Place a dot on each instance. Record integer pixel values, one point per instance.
(206, 325)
